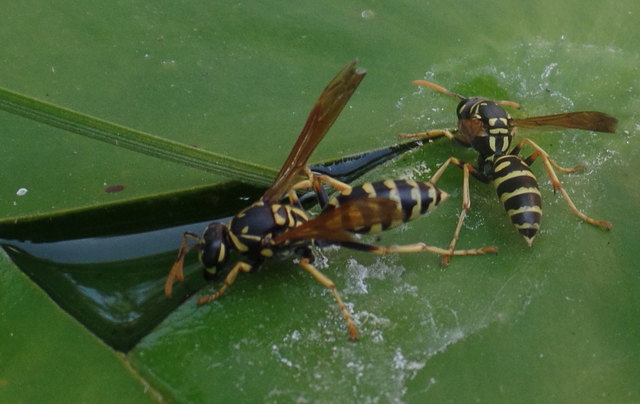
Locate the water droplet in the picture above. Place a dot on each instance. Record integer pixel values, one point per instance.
(367, 14)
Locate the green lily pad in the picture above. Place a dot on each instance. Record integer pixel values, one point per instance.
(554, 322)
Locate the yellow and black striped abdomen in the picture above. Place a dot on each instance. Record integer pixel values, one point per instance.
(413, 199)
(518, 191)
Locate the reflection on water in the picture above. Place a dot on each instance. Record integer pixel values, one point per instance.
(107, 249)
(120, 300)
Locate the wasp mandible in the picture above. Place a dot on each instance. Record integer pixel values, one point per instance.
(489, 129)
(270, 228)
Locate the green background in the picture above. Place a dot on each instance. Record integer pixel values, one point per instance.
(554, 322)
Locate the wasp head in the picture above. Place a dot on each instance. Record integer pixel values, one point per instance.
(485, 126)
(214, 248)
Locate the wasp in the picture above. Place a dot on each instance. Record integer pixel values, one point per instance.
(489, 129)
(270, 228)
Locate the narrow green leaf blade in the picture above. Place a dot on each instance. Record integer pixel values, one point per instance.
(138, 141)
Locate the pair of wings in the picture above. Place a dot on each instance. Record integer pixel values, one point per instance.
(334, 225)
(585, 120)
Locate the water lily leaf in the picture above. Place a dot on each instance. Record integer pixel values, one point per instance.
(556, 321)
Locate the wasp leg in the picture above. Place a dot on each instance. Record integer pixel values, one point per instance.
(315, 181)
(293, 197)
(177, 268)
(529, 160)
(431, 134)
(414, 248)
(466, 199)
(339, 186)
(466, 205)
(334, 183)
(304, 185)
(422, 247)
(328, 283)
(228, 281)
(549, 164)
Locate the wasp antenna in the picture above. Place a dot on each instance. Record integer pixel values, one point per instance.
(436, 87)
(510, 104)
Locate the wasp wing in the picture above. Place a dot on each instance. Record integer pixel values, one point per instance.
(324, 113)
(335, 225)
(586, 120)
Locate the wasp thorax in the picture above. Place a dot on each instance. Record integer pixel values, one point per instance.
(494, 118)
(493, 146)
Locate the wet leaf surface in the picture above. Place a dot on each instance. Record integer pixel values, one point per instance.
(556, 321)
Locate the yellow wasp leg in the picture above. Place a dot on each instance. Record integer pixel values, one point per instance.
(422, 247)
(466, 201)
(328, 283)
(178, 266)
(549, 164)
(228, 281)
(315, 181)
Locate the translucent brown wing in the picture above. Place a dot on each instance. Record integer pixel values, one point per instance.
(587, 120)
(324, 113)
(335, 225)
